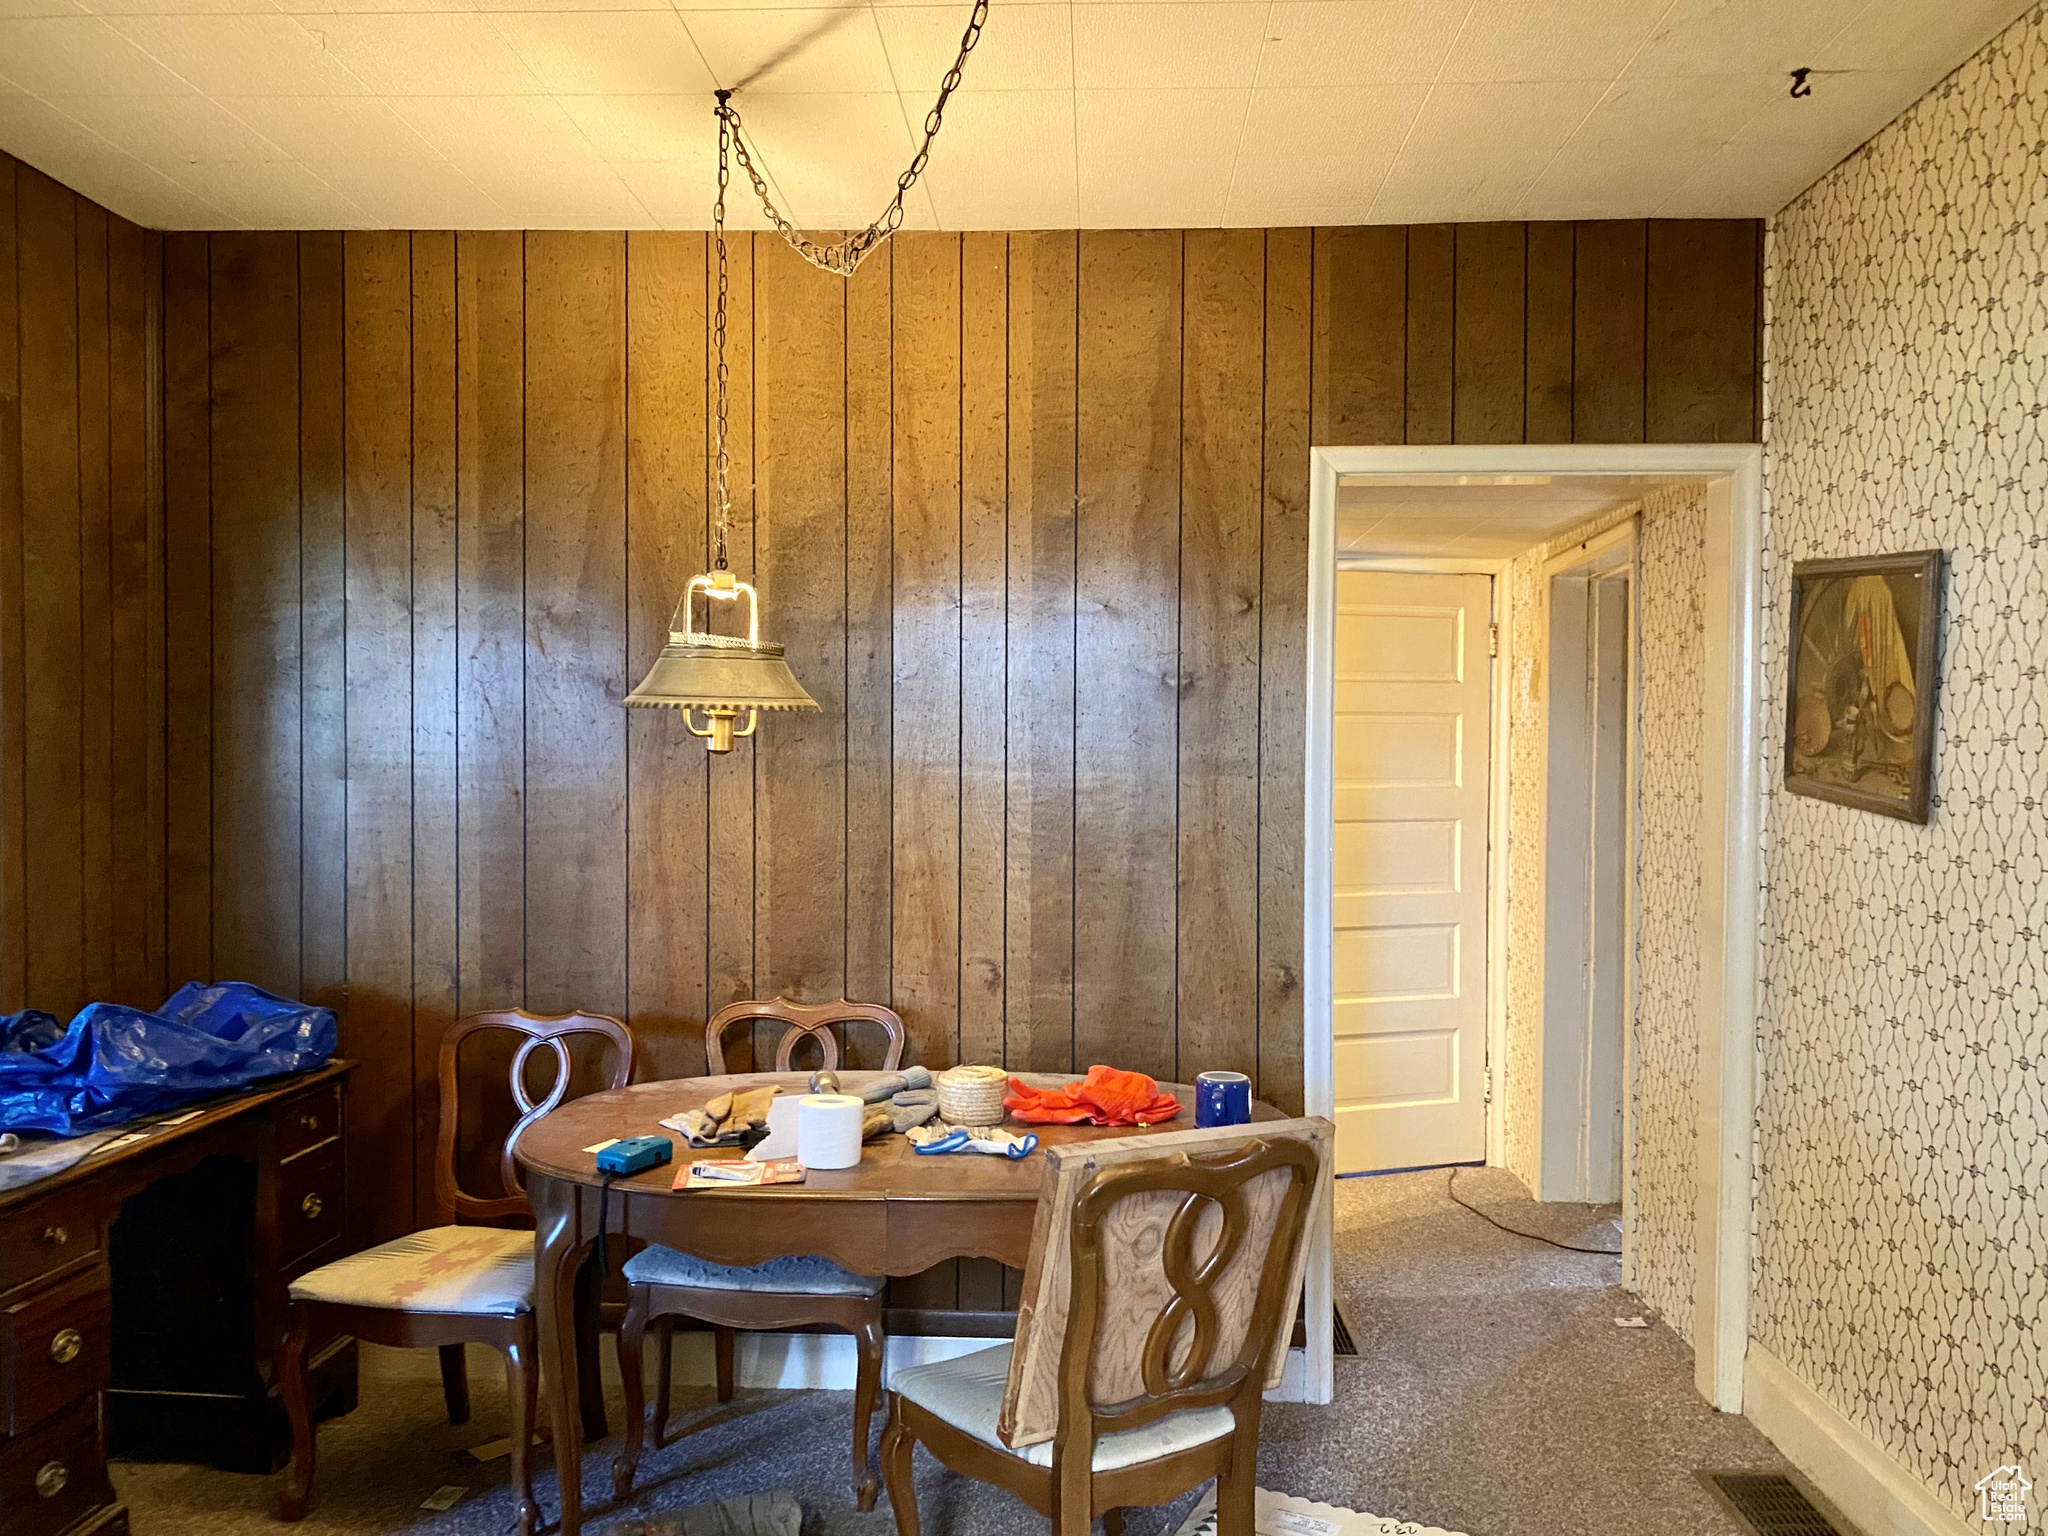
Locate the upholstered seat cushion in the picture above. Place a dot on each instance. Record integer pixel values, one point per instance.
(967, 1392)
(478, 1271)
(798, 1275)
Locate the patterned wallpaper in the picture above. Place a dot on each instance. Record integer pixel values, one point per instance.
(1671, 559)
(1901, 1251)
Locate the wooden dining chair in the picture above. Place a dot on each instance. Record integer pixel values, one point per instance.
(1155, 1312)
(793, 1292)
(455, 1284)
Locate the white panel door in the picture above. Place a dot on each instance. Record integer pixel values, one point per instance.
(1409, 951)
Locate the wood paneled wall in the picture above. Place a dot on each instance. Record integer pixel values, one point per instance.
(1028, 510)
(82, 876)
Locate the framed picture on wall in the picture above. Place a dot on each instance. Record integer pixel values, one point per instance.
(1859, 716)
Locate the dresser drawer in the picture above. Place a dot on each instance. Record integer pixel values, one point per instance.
(45, 1237)
(54, 1348)
(55, 1474)
(308, 1120)
(308, 1202)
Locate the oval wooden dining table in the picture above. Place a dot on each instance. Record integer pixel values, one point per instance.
(897, 1213)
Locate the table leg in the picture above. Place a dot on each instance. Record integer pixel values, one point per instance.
(558, 1251)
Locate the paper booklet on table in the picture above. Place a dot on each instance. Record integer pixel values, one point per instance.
(735, 1173)
(1282, 1514)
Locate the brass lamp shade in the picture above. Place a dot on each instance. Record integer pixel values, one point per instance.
(689, 674)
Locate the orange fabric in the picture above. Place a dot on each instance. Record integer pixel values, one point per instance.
(1105, 1096)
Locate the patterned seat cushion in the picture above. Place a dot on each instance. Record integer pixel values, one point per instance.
(478, 1271)
(799, 1275)
(967, 1392)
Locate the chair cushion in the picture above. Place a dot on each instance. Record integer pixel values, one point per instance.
(797, 1275)
(967, 1392)
(478, 1271)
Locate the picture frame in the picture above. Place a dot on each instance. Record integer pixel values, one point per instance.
(1861, 681)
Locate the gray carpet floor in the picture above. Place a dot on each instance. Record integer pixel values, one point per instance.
(1492, 1394)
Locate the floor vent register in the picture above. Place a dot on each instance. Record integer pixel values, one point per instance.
(1770, 1504)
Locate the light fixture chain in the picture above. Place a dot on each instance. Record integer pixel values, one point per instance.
(846, 256)
(723, 376)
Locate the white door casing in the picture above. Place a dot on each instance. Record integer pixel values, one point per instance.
(1409, 848)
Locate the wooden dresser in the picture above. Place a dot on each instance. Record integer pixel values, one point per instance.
(142, 1296)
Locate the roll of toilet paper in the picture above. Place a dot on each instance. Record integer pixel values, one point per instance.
(828, 1130)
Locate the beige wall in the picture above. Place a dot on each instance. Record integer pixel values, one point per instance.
(1901, 1259)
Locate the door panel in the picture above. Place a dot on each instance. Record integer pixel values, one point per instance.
(1409, 950)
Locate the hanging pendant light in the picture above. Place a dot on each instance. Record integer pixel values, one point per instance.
(719, 680)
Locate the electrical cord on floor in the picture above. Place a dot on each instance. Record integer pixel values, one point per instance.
(1534, 1237)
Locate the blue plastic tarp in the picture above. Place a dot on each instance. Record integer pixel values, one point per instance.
(112, 1063)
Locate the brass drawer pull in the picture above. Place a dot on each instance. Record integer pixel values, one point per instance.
(56, 1237)
(309, 1121)
(310, 1207)
(50, 1480)
(65, 1346)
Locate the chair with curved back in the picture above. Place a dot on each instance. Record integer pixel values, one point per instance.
(1154, 1315)
(782, 1293)
(457, 1283)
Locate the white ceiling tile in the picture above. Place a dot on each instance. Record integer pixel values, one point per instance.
(835, 159)
(280, 194)
(1641, 132)
(495, 6)
(567, 196)
(1894, 35)
(1150, 159)
(176, 7)
(55, 144)
(1126, 46)
(1541, 40)
(623, 53)
(514, 130)
(166, 130)
(310, 128)
(1475, 148)
(24, 8)
(242, 55)
(1739, 37)
(785, 52)
(1321, 147)
(413, 193)
(80, 56)
(337, 7)
(1358, 42)
(677, 129)
(1006, 161)
(1023, 47)
(426, 55)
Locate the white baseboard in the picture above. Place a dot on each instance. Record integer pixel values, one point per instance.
(1850, 1469)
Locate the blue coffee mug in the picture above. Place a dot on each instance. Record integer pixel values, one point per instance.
(1222, 1098)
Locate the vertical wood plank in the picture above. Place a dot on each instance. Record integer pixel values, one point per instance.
(1361, 341)
(53, 609)
(13, 716)
(188, 614)
(435, 809)
(870, 641)
(1283, 664)
(1547, 383)
(155, 688)
(1700, 358)
(1221, 533)
(666, 809)
(323, 669)
(731, 835)
(984, 473)
(377, 1027)
(1127, 537)
(1607, 332)
(256, 684)
(1490, 393)
(490, 580)
(1039, 972)
(800, 553)
(575, 621)
(1431, 339)
(96, 601)
(131, 447)
(925, 964)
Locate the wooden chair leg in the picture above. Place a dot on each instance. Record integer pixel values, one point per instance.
(632, 1348)
(522, 1388)
(722, 1339)
(455, 1382)
(897, 1445)
(867, 1385)
(297, 1494)
(1112, 1522)
(664, 1371)
(1237, 1487)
